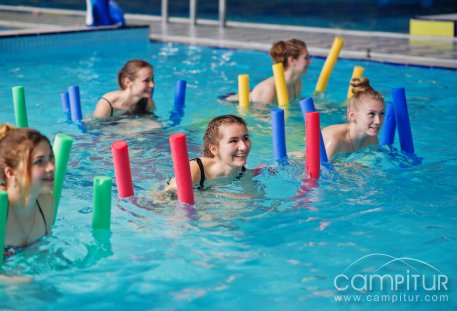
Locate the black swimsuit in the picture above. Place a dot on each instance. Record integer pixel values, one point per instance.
(10, 250)
(202, 172)
(141, 106)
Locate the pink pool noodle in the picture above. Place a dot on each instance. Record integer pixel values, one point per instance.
(121, 163)
(313, 131)
(181, 168)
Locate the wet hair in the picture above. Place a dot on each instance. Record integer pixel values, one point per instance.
(16, 147)
(130, 70)
(212, 134)
(362, 92)
(282, 50)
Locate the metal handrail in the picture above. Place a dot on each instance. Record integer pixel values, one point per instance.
(193, 12)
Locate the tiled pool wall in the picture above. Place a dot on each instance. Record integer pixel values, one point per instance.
(79, 37)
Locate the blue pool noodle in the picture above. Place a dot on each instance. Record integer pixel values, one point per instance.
(402, 120)
(65, 99)
(307, 105)
(180, 94)
(388, 134)
(279, 134)
(75, 103)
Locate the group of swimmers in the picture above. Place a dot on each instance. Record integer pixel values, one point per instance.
(27, 163)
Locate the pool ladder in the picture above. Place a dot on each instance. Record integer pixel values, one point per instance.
(193, 12)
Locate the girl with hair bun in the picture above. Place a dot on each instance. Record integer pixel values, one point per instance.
(365, 114)
(294, 56)
(136, 82)
(27, 175)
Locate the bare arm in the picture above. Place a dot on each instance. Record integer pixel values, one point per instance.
(194, 172)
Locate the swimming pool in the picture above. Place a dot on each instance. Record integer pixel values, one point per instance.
(281, 248)
(381, 15)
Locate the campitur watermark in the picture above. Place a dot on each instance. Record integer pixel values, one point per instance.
(384, 278)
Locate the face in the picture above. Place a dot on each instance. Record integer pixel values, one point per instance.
(301, 64)
(234, 146)
(42, 169)
(143, 83)
(370, 117)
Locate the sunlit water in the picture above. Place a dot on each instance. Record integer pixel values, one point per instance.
(280, 241)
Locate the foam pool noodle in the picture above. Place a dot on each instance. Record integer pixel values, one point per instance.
(278, 134)
(181, 167)
(402, 120)
(20, 110)
(280, 84)
(102, 203)
(357, 73)
(75, 104)
(307, 105)
(122, 171)
(312, 144)
(388, 133)
(329, 64)
(65, 99)
(61, 148)
(243, 90)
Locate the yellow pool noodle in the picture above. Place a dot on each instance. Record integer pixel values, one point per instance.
(280, 83)
(243, 90)
(329, 64)
(357, 73)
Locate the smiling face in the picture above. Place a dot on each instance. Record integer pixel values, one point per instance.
(369, 117)
(143, 83)
(234, 145)
(42, 169)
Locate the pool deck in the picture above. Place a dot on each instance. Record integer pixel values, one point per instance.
(369, 45)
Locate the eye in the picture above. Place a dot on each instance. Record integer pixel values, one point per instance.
(381, 114)
(39, 161)
(371, 114)
(233, 141)
(246, 138)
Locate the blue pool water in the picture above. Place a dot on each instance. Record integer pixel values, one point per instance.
(380, 15)
(279, 245)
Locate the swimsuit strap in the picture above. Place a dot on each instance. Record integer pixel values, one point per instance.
(44, 219)
(202, 171)
(110, 105)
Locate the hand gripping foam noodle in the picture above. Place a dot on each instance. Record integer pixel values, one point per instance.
(20, 109)
(312, 144)
(329, 64)
(278, 134)
(3, 210)
(102, 203)
(61, 148)
(280, 84)
(402, 119)
(121, 161)
(243, 90)
(181, 168)
(307, 105)
(388, 133)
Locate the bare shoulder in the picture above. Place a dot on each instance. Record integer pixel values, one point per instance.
(264, 92)
(333, 131)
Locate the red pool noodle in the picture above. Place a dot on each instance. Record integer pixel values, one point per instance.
(121, 163)
(313, 130)
(181, 168)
